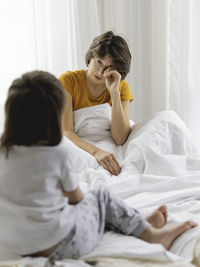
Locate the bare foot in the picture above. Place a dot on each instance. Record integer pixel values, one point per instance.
(167, 235)
(159, 217)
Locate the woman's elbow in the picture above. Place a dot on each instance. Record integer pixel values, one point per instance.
(67, 133)
(120, 139)
(67, 129)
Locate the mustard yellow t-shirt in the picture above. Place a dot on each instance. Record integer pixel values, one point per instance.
(75, 84)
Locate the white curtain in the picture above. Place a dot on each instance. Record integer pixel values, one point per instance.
(48, 35)
(184, 62)
(162, 35)
(17, 45)
(164, 39)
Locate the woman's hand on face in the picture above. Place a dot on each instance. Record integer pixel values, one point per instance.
(108, 161)
(112, 80)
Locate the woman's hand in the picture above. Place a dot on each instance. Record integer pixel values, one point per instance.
(108, 161)
(112, 80)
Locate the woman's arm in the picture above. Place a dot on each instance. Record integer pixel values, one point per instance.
(104, 158)
(120, 126)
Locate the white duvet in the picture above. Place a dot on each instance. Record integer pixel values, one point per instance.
(160, 165)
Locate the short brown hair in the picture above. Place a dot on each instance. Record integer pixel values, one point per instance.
(33, 111)
(113, 45)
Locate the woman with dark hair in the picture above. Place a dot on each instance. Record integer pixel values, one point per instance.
(43, 211)
(108, 60)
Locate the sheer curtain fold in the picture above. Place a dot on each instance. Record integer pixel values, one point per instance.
(179, 57)
(17, 46)
(86, 24)
(184, 63)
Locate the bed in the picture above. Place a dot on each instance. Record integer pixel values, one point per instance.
(160, 165)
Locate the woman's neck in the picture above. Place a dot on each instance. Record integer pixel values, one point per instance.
(95, 89)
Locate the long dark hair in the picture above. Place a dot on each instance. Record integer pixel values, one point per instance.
(33, 111)
(113, 45)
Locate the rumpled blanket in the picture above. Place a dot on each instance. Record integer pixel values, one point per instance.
(160, 165)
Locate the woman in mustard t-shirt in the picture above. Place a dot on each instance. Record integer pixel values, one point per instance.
(108, 60)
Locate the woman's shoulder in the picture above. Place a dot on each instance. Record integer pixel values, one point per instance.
(124, 83)
(73, 75)
(125, 91)
(124, 86)
(71, 80)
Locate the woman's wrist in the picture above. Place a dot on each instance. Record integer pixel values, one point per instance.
(94, 150)
(115, 96)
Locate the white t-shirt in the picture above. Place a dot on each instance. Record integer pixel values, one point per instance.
(34, 215)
